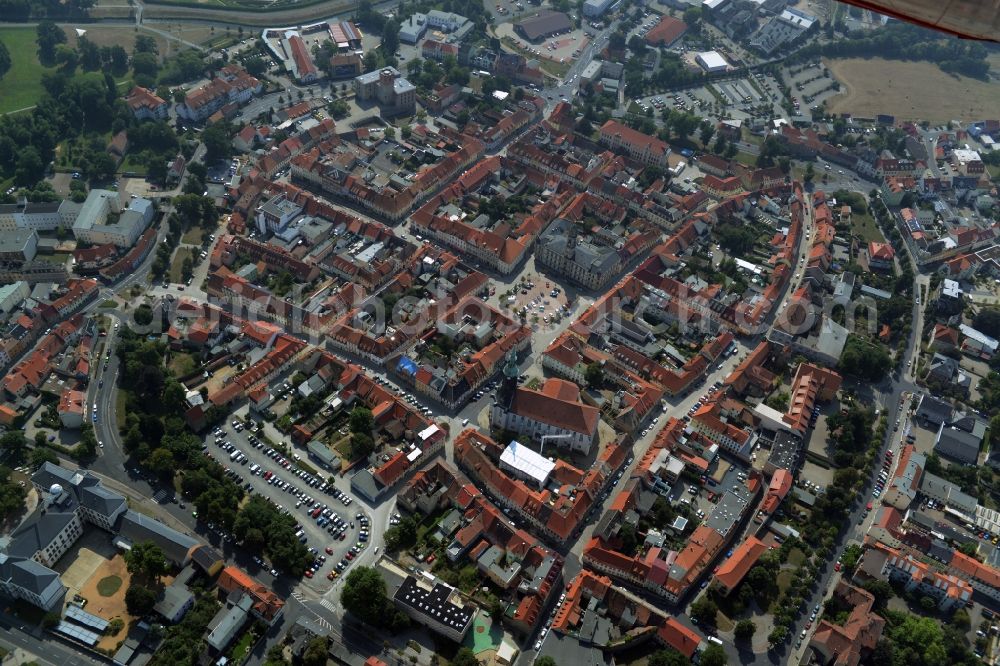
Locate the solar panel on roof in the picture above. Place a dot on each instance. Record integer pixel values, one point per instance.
(78, 633)
(81, 616)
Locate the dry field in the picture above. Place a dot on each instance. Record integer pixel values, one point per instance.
(909, 91)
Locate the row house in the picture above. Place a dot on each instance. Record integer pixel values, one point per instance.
(233, 86)
(638, 146)
(146, 105)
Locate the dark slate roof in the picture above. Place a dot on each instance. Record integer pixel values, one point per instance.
(100, 499)
(137, 527)
(37, 532)
(28, 574)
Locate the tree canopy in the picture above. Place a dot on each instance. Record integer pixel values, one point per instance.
(146, 559)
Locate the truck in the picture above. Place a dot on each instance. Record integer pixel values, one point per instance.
(235, 454)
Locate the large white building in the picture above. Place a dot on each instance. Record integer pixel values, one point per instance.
(38, 216)
(276, 213)
(524, 463)
(711, 61)
(102, 220)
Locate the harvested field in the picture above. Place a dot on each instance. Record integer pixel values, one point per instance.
(909, 91)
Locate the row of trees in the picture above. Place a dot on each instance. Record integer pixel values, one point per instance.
(156, 435)
(904, 41)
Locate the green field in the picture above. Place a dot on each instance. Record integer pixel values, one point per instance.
(22, 85)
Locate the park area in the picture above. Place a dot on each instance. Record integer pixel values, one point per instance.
(22, 84)
(909, 90)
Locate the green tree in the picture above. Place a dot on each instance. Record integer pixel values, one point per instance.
(145, 44)
(218, 142)
(4, 60)
(390, 38)
(594, 375)
(139, 600)
(48, 37)
(987, 321)
(864, 359)
(316, 651)
(12, 494)
(465, 657)
(14, 446)
(704, 611)
(668, 658)
(778, 635)
(403, 535)
(146, 559)
(714, 655)
(41, 455)
(364, 595)
(745, 630)
(361, 421)
(362, 445)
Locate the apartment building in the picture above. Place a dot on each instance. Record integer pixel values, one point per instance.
(640, 147)
(393, 93)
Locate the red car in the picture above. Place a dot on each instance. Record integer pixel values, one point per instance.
(329, 550)
(431, 558)
(309, 574)
(836, 567)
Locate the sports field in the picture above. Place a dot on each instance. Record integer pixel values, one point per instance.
(909, 91)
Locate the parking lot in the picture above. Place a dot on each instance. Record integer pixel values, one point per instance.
(557, 48)
(330, 523)
(738, 98)
(810, 85)
(540, 300)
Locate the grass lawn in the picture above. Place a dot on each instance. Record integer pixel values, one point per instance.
(796, 557)
(107, 586)
(303, 465)
(784, 580)
(121, 398)
(343, 447)
(132, 166)
(22, 85)
(193, 236)
(864, 226)
(177, 265)
(746, 158)
(182, 364)
(242, 647)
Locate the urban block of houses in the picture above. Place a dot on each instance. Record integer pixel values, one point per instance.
(671, 575)
(553, 498)
(464, 349)
(527, 573)
(601, 614)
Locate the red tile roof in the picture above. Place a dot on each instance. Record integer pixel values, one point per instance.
(666, 31)
(558, 404)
